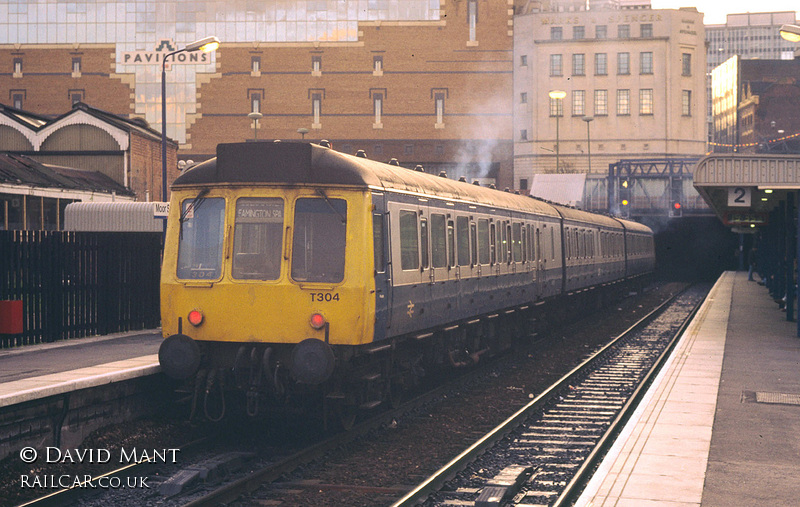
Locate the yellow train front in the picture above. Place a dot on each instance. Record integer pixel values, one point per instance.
(263, 274)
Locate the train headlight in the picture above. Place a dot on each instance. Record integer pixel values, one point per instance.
(317, 321)
(195, 317)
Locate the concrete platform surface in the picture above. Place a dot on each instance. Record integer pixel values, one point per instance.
(721, 424)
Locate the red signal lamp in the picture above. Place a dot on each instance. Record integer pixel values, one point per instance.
(676, 205)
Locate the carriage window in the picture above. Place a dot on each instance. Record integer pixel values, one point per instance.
(504, 252)
(473, 242)
(451, 243)
(258, 239)
(493, 244)
(516, 238)
(409, 240)
(319, 240)
(438, 241)
(423, 229)
(377, 240)
(462, 231)
(200, 247)
(483, 241)
(552, 244)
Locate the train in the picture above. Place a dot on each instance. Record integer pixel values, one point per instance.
(293, 272)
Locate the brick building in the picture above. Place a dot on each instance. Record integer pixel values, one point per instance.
(426, 84)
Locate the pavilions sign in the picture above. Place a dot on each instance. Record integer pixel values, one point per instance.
(164, 47)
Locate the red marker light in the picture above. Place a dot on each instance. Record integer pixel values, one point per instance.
(317, 321)
(195, 317)
(676, 205)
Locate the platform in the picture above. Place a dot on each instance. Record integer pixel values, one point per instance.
(38, 371)
(721, 424)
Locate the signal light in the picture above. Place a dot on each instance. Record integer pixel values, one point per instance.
(317, 321)
(676, 205)
(624, 202)
(195, 317)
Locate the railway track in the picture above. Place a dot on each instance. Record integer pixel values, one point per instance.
(544, 453)
(283, 471)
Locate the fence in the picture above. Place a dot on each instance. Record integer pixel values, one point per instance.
(76, 284)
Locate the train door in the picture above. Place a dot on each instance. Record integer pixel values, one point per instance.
(382, 254)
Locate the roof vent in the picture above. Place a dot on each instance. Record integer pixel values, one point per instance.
(443, 174)
(394, 161)
(507, 190)
(419, 168)
(462, 178)
(276, 141)
(492, 186)
(325, 143)
(361, 154)
(476, 182)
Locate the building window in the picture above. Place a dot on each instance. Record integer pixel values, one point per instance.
(623, 63)
(624, 31)
(377, 106)
(523, 183)
(556, 107)
(647, 30)
(601, 64)
(555, 65)
(556, 33)
(76, 67)
(316, 65)
(255, 65)
(316, 109)
(686, 102)
(578, 102)
(523, 97)
(646, 101)
(601, 102)
(408, 150)
(646, 62)
(523, 135)
(377, 65)
(623, 102)
(18, 100)
(439, 105)
(472, 19)
(578, 64)
(17, 67)
(578, 32)
(523, 60)
(686, 61)
(601, 32)
(76, 96)
(255, 102)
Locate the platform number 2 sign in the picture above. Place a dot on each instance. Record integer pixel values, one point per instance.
(739, 196)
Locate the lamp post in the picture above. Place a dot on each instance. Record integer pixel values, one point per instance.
(206, 45)
(558, 96)
(588, 120)
(302, 131)
(255, 116)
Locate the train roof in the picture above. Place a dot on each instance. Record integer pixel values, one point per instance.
(587, 217)
(258, 163)
(635, 226)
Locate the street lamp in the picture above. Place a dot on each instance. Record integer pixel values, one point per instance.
(255, 116)
(206, 45)
(790, 33)
(588, 120)
(302, 131)
(558, 96)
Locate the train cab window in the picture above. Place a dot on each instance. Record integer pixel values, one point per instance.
(462, 237)
(516, 238)
(200, 246)
(483, 241)
(423, 233)
(451, 243)
(258, 239)
(319, 237)
(438, 241)
(377, 240)
(409, 240)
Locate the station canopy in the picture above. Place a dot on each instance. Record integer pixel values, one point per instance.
(744, 188)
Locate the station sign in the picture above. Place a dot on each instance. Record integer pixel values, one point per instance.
(739, 197)
(160, 209)
(745, 218)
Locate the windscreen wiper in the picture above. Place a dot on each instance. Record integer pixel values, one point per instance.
(330, 204)
(195, 204)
